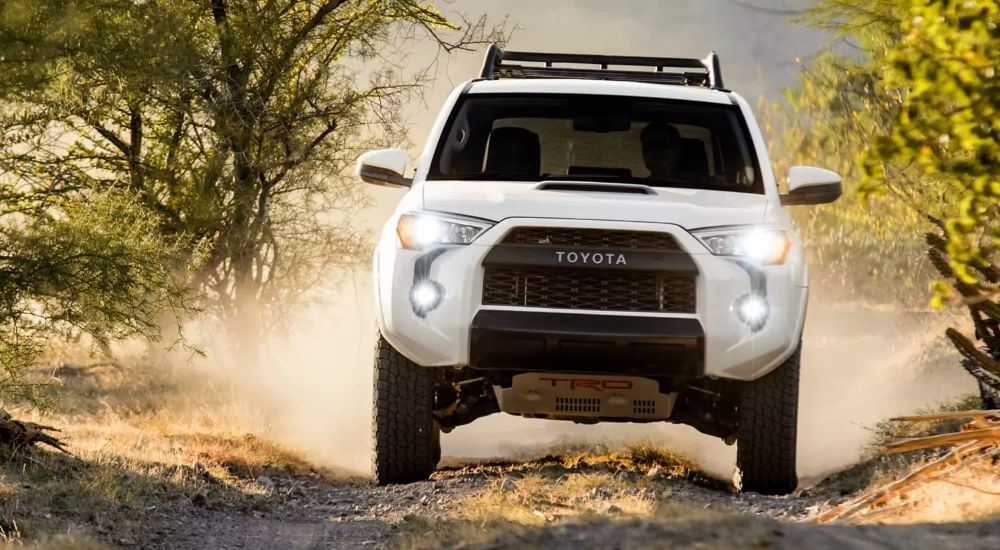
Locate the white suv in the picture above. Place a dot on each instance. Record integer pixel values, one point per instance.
(603, 244)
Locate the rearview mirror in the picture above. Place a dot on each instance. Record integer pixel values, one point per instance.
(810, 185)
(384, 167)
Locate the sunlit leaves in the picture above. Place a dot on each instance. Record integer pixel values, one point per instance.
(946, 64)
(914, 96)
(870, 242)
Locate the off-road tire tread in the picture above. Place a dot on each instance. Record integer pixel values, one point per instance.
(766, 437)
(406, 438)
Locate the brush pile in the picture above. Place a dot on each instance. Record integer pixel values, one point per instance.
(15, 434)
(977, 441)
(982, 297)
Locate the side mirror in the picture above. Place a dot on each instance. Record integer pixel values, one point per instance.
(809, 185)
(384, 167)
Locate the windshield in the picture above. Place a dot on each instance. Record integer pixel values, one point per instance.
(654, 142)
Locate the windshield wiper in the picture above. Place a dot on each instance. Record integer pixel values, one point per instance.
(707, 184)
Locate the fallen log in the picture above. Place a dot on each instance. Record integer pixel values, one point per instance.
(985, 436)
(950, 415)
(17, 434)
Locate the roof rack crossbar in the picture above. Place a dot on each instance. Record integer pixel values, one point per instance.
(497, 64)
(682, 79)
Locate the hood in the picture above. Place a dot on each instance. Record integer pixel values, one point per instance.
(688, 208)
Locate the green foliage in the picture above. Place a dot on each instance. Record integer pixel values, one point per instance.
(96, 267)
(947, 127)
(909, 115)
(871, 241)
(233, 121)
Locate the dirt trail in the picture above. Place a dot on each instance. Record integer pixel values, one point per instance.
(305, 513)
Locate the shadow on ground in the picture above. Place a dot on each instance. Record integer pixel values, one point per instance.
(679, 527)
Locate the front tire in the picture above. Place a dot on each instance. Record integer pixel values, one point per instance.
(405, 435)
(767, 432)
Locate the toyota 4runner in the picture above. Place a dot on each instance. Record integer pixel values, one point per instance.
(595, 239)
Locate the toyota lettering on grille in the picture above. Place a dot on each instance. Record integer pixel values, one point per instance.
(590, 258)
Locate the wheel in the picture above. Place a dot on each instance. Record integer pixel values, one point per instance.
(407, 444)
(766, 434)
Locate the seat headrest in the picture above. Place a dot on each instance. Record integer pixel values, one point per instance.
(660, 134)
(514, 152)
(693, 160)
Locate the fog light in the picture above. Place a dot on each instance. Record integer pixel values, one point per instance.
(752, 310)
(425, 296)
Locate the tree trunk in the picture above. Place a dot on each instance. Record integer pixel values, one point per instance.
(245, 325)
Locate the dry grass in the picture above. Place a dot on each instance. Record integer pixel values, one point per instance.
(878, 467)
(145, 439)
(574, 483)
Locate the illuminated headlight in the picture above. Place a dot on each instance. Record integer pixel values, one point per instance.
(418, 231)
(760, 245)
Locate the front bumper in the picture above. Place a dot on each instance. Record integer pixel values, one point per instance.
(571, 342)
(463, 332)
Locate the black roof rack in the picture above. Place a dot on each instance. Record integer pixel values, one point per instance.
(669, 70)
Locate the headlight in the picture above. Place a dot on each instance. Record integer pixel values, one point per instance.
(418, 231)
(761, 245)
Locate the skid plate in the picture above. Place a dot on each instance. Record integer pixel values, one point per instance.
(584, 395)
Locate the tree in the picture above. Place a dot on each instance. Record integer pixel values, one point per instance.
(948, 128)
(911, 111)
(232, 120)
(871, 246)
(95, 267)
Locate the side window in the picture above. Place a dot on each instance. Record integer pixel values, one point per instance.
(743, 172)
(463, 147)
(454, 143)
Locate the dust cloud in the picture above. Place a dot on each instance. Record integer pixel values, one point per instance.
(312, 390)
(861, 364)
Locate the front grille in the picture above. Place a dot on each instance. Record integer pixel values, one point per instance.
(604, 290)
(592, 238)
(578, 404)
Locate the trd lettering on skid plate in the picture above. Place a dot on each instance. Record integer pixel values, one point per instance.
(580, 383)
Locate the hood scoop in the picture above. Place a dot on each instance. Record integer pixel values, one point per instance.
(596, 187)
